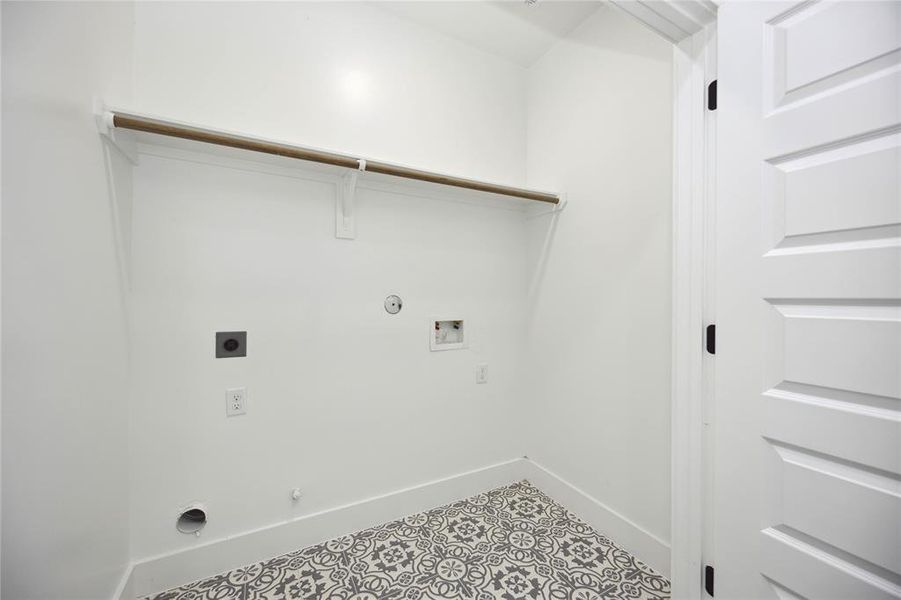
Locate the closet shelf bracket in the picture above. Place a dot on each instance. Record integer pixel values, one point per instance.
(119, 139)
(345, 223)
(558, 208)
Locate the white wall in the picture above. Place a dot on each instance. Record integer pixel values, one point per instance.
(341, 75)
(598, 366)
(65, 403)
(346, 401)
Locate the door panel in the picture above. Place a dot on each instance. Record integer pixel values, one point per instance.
(820, 420)
(855, 186)
(837, 269)
(808, 381)
(839, 346)
(806, 478)
(828, 38)
(815, 573)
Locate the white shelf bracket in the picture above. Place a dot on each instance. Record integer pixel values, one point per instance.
(120, 140)
(558, 208)
(345, 223)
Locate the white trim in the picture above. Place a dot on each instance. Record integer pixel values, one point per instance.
(165, 571)
(125, 589)
(641, 543)
(674, 21)
(693, 154)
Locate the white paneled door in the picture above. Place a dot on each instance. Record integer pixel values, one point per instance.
(808, 364)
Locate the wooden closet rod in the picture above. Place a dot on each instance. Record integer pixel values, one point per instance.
(149, 125)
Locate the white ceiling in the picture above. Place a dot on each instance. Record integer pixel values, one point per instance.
(512, 29)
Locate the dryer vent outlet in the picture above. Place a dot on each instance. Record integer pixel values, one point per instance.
(191, 520)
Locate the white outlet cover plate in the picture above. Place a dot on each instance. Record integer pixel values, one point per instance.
(482, 373)
(235, 401)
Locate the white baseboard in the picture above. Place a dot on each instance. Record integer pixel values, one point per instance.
(647, 547)
(126, 586)
(158, 573)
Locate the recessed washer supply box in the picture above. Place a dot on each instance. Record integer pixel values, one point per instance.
(447, 334)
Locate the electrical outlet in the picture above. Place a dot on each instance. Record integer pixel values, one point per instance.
(482, 373)
(235, 401)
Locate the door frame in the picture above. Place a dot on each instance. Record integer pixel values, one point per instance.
(694, 221)
(690, 25)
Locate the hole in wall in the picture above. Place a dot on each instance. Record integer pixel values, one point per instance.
(191, 520)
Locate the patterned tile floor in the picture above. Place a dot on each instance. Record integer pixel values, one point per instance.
(512, 543)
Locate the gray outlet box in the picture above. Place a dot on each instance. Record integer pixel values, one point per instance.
(230, 344)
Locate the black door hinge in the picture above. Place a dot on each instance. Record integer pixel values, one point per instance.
(711, 95)
(708, 579)
(711, 339)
